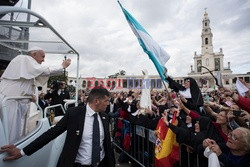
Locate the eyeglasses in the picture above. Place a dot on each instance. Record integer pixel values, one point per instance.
(232, 136)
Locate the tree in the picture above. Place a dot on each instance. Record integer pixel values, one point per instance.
(53, 79)
(121, 72)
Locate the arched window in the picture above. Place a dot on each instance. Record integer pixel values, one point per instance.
(159, 83)
(109, 84)
(96, 83)
(205, 23)
(102, 83)
(206, 41)
(113, 84)
(153, 84)
(124, 83)
(84, 84)
(217, 64)
(207, 62)
(89, 84)
(199, 65)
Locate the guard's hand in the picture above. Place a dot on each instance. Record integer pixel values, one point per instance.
(13, 152)
(66, 63)
(34, 99)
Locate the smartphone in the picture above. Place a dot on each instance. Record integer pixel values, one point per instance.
(229, 103)
(237, 113)
(174, 96)
(207, 98)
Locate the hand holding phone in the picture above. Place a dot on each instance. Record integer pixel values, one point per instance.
(237, 113)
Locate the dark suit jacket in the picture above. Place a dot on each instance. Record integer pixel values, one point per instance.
(58, 99)
(42, 104)
(72, 122)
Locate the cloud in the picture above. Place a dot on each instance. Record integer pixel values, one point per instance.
(98, 30)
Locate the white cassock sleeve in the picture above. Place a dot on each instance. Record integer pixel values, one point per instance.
(25, 67)
(48, 71)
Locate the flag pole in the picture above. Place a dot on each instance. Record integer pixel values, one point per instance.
(165, 75)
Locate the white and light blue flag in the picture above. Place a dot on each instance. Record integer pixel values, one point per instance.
(157, 54)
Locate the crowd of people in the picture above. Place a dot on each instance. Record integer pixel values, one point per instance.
(217, 120)
(214, 123)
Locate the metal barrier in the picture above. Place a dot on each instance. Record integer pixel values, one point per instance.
(142, 143)
(193, 158)
(142, 147)
(187, 158)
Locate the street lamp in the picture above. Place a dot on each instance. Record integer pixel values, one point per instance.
(216, 81)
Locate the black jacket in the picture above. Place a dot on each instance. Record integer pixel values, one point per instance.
(72, 121)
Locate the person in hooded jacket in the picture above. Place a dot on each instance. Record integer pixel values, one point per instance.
(203, 129)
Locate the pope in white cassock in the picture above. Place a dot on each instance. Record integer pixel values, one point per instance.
(20, 79)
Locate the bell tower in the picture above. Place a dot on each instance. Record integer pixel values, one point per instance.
(206, 36)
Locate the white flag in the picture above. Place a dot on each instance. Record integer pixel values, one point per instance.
(241, 88)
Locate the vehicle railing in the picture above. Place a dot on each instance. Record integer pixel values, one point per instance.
(68, 102)
(52, 106)
(5, 115)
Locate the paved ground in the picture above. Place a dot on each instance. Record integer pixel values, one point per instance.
(121, 164)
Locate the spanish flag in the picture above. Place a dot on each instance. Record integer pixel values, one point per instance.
(166, 147)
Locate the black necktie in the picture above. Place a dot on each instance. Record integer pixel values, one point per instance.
(96, 142)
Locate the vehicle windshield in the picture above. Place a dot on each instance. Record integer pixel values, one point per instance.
(21, 29)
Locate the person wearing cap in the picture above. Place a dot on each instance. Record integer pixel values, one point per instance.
(20, 79)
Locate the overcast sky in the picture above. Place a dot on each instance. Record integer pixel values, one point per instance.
(98, 30)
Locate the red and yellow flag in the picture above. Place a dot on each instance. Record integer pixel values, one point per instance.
(166, 147)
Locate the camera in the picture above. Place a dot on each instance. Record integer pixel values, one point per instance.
(55, 85)
(237, 113)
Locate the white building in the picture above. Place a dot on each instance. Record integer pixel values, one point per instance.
(207, 61)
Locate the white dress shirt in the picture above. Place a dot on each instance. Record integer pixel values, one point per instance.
(85, 149)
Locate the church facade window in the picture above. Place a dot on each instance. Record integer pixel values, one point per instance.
(227, 82)
(217, 64)
(199, 65)
(207, 62)
(206, 41)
